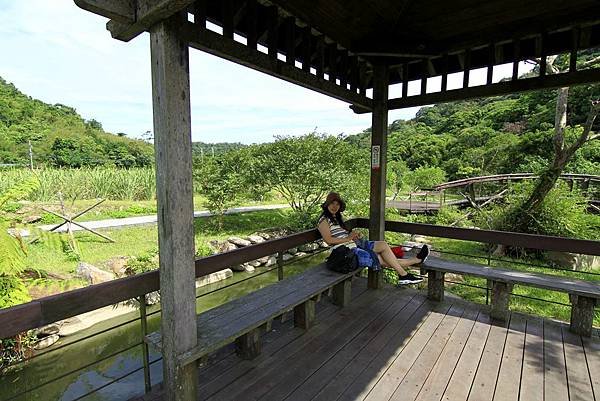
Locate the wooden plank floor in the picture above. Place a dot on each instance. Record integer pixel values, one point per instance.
(393, 344)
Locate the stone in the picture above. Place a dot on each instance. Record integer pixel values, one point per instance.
(310, 247)
(86, 320)
(32, 219)
(225, 246)
(47, 330)
(300, 254)
(256, 239)
(323, 244)
(287, 256)
(117, 265)
(272, 260)
(152, 298)
(264, 236)
(45, 342)
(239, 241)
(255, 263)
(93, 274)
(420, 239)
(292, 251)
(248, 268)
(238, 268)
(214, 277)
(263, 260)
(574, 261)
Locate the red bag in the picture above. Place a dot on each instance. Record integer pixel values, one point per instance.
(398, 252)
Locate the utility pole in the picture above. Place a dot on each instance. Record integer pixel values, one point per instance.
(30, 156)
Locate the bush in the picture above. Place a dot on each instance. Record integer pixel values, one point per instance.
(563, 213)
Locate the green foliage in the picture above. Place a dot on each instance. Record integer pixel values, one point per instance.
(145, 262)
(220, 180)
(60, 137)
(304, 169)
(85, 183)
(425, 177)
(563, 213)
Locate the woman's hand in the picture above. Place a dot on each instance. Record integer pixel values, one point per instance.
(354, 235)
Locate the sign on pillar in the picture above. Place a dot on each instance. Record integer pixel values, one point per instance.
(375, 157)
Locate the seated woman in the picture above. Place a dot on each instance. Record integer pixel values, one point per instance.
(334, 232)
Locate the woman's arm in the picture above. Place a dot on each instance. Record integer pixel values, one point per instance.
(326, 234)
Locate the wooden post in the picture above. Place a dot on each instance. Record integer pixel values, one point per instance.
(500, 300)
(378, 162)
(582, 314)
(341, 292)
(304, 314)
(435, 285)
(173, 152)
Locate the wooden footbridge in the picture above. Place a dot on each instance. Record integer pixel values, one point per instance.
(431, 201)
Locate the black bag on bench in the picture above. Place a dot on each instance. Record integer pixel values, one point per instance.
(342, 260)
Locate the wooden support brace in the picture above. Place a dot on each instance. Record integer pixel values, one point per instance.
(500, 299)
(444, 73)
(517, 58)
(248, 346)
(304, 314)
(405, 80)
(341, 292)
(582, 314)
(435, 285)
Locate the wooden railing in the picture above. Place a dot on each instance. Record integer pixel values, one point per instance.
(50, 309)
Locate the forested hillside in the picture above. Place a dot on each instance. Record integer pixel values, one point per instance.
(496, 135)
(60, 137)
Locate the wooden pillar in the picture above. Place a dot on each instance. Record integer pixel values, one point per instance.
(378, 162)
(582, 314)
(173, 147)
(500, 300)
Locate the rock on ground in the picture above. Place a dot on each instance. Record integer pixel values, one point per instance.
(93, 274)
(239, 241)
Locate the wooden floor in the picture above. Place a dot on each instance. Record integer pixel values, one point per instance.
(393, 344)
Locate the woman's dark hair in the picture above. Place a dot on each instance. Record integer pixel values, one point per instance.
(337, 218)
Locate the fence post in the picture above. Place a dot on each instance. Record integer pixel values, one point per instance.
(145, 354)
(487, 286)
(279, 266)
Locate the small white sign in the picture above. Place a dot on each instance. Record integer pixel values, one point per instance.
(375, 157)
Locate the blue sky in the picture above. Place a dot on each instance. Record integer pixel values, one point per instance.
(54, 51)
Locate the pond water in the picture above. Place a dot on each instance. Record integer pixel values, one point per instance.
(97, 367)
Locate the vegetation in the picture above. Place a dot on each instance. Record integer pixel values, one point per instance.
(59, 137)
(85, 183)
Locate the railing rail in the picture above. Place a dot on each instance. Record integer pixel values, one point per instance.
(542, 242)
(50, 309)
(57, 307)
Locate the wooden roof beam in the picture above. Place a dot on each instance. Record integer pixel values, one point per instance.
(147, 13)
(122, 11)
(499, 88)
(229, 49)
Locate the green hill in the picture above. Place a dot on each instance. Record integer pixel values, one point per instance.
(59, 136)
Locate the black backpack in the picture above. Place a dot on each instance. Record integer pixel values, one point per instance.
(342, 260)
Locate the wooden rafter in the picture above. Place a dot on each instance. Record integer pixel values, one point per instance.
(229, 49)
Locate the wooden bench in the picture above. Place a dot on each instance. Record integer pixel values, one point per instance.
(241, 320)
(583, 294)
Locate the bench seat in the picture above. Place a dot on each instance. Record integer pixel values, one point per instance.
(240, 320)
(583, 294)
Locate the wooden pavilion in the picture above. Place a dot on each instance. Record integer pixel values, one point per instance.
(343, 49)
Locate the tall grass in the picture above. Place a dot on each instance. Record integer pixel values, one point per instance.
(85, 183)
